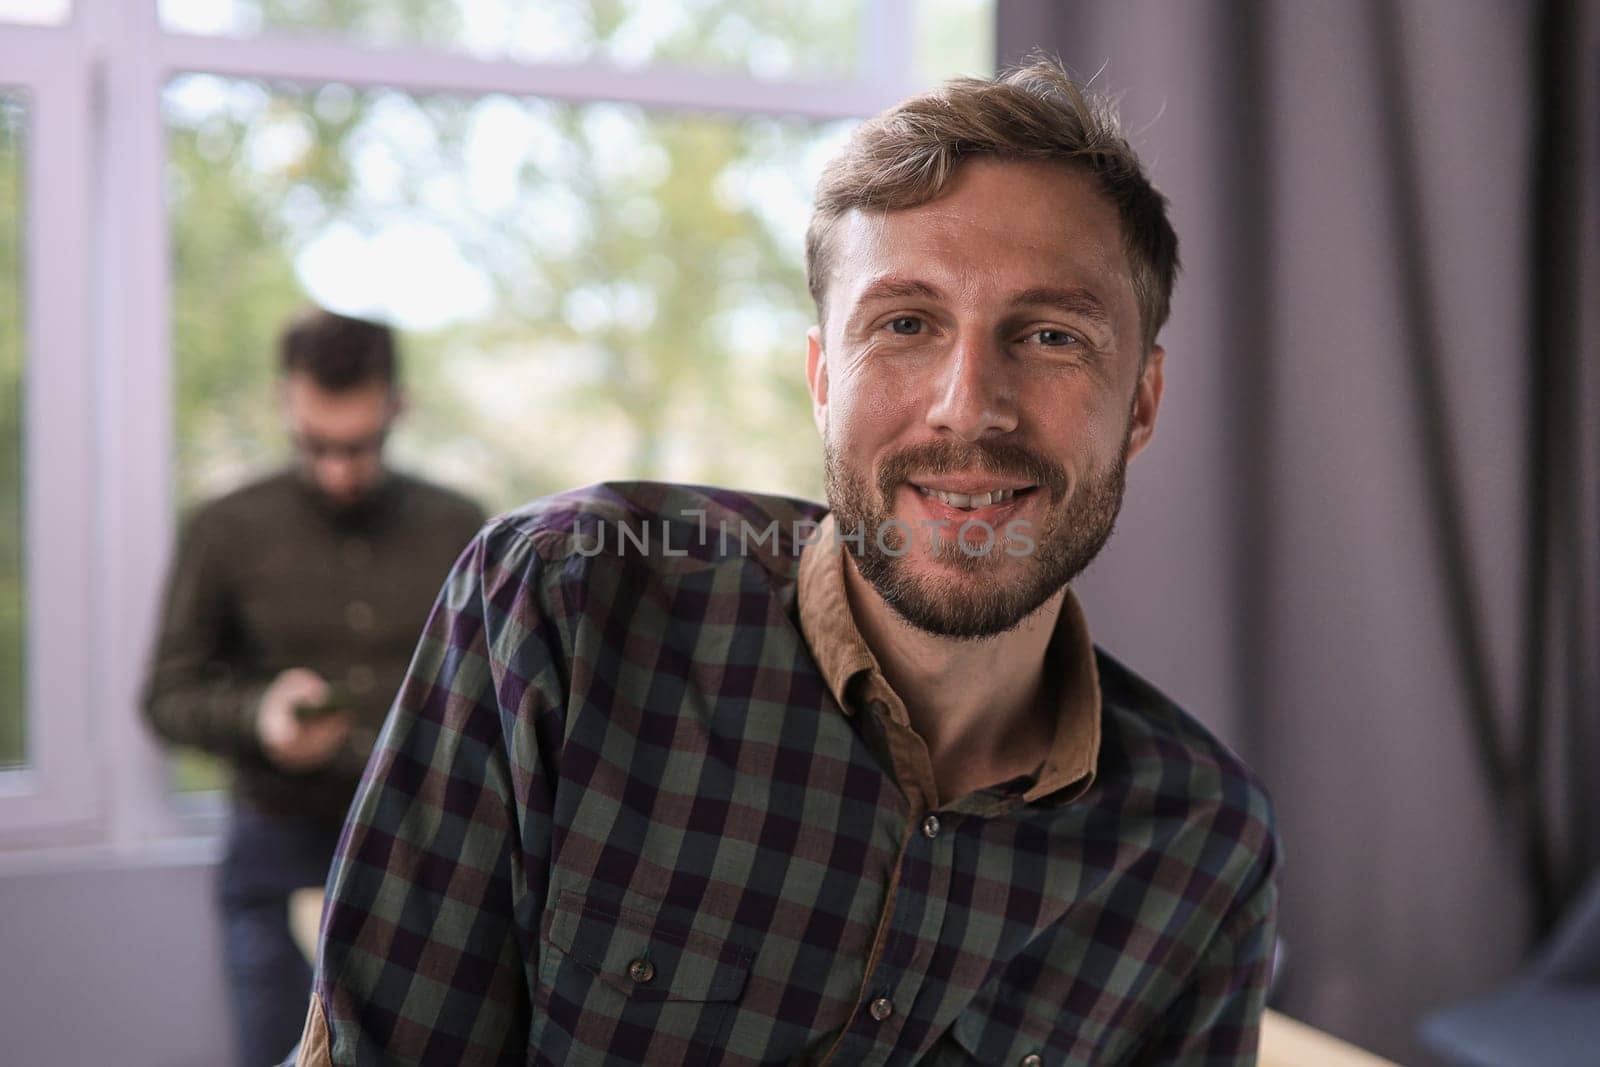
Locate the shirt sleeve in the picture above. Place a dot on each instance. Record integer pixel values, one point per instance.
(426, 951)
(1216, 1020)
(197, 692)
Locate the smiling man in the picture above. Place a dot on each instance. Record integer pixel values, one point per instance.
(686, 775)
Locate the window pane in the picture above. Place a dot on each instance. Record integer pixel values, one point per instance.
(585, 292)
(767, 38)
(13, 718)
(39, 12)
(954, 37)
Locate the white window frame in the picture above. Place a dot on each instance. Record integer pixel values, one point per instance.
(52, 797)
(99, 445)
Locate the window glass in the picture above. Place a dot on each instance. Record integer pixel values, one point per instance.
(585, 292)
(766, 38)
(954, 37)
(38, 12)
(13, 719)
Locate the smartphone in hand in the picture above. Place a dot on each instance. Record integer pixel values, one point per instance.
(336, 700)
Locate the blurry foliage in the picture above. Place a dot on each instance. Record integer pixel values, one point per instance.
(767, 38)
(647, 303)
(13, 739)
(954, 37)
(391, 20)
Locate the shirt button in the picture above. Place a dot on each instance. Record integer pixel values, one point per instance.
(882, 1008)
(360, 679)
(641, 970)
(356, 553)
(1032, 1060)
(930, 827)
(360, 615)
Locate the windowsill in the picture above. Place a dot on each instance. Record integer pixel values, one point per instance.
(17, 781)
(195, 840)
(209, 805)
(199, 850)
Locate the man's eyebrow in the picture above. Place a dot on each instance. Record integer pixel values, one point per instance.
(1075, 299)
(898, 289)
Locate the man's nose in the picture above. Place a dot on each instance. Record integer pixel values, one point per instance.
(975, 394)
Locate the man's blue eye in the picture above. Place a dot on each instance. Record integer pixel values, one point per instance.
(906, 325)
(1054, 338)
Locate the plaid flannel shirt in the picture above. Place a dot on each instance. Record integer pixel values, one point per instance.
(645, 798)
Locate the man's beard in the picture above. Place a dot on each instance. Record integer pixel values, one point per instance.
(351, 510)
(971, 609)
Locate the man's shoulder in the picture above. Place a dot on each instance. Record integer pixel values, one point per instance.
(247, 502)
(438, 500)
(1159, 758)
(664, 521)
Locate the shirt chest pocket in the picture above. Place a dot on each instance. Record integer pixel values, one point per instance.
(633, 984)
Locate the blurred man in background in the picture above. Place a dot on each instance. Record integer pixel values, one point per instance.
(291, 612)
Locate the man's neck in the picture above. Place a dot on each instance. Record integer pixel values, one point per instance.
(975, 703)
(355, 514)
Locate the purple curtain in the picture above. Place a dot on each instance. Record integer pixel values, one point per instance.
(1365, 546)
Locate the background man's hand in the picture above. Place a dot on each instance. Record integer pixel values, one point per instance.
(290, 743)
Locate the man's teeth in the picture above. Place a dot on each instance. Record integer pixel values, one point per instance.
(969, 500)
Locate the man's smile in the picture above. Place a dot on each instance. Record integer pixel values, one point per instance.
(953, 500)
(968, 494)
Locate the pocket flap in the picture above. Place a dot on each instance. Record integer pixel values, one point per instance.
(646, 956)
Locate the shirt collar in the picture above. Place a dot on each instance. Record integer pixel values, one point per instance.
(371, 509)
(841, 652)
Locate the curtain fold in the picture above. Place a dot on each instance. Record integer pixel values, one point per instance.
(1370, 521)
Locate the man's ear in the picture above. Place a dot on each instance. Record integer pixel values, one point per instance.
(817, 377)
(1146, 401)
(398, 402)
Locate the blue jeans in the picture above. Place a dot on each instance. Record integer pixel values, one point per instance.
(269, 980)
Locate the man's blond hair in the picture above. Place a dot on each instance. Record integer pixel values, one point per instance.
(907, 155)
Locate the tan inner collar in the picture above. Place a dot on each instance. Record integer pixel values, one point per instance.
(836, 642)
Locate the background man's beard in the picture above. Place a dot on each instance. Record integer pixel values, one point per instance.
(354, 507)
(961, 605)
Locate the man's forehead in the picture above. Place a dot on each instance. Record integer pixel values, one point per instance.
(357, 409)
(1058, 187)
(1016, 226)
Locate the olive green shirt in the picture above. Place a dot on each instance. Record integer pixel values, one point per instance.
(270, 577)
